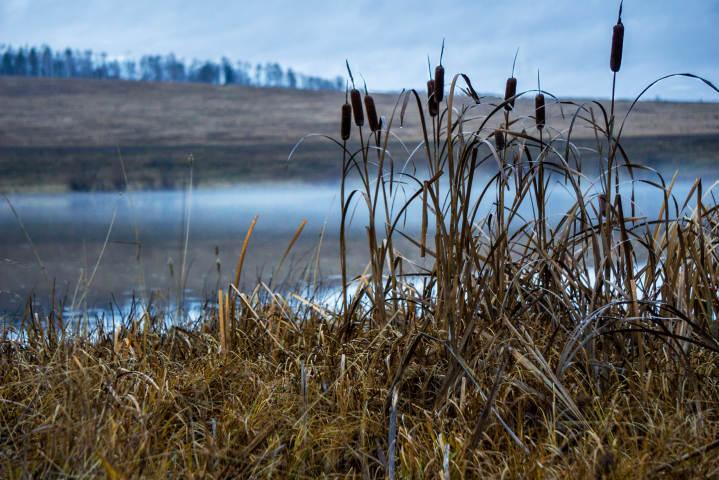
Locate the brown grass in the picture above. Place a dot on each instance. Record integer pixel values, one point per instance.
(579, 345)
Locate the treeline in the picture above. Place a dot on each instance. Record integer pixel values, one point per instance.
(43, 62)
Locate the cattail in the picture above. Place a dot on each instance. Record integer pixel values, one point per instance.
(602, 205)
(583, 400)
(432, 105)
(356, 98)
(346, 119)
(371, 113)
(606, 464)
(539, 111)
(439, 84)
(499, 140)
(510, 91)
(615, 61)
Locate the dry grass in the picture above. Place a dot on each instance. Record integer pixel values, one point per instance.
(581, 345)
(55, 113)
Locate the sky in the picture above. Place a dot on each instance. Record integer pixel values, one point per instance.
(568, 41)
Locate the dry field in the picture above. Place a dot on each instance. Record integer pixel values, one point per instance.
(58, 134)
(57, 113)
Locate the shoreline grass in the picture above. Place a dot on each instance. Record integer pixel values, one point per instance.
(524, 347)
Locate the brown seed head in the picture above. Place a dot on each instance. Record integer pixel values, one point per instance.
(499, 140)
(439, 84)
(539, 111)
(583, 400)
(606, 463)
(615, 61)
(432, 105)
(356, 99)
(510, 91)
(602, 205)
(371, 113)
(346, 119)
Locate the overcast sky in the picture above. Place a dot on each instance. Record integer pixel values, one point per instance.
(388, 41)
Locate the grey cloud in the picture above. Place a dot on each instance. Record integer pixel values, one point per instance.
(389, 41)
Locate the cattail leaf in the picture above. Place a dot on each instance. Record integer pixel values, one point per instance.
(689, 75)
(472, 93)
(338, 143)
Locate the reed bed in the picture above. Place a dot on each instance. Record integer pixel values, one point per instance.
(504, 345)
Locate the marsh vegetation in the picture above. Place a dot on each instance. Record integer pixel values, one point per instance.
(503, 337)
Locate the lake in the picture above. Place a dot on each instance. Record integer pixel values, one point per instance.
(68, 231)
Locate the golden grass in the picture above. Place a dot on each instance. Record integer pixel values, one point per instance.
(577, 346)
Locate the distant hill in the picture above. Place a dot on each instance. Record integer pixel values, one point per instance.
(38, 112)
(51, 129)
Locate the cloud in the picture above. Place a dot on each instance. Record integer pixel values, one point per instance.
(568, 41)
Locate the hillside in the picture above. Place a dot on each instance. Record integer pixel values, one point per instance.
(65, 133)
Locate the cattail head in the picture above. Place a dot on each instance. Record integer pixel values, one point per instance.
(583, 400)
(346, 119)
(499, 140)
(606, 463)
(439, 83)
(432, 105)
(510, 91)
(356, 99)
(602, 205)
(539, 111)
(372, 119)
(615, 60)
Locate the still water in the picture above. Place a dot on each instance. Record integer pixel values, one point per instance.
(68, 233)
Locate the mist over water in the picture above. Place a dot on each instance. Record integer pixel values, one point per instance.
(69, 230)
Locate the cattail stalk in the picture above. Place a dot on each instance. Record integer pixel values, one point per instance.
(424, 221)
